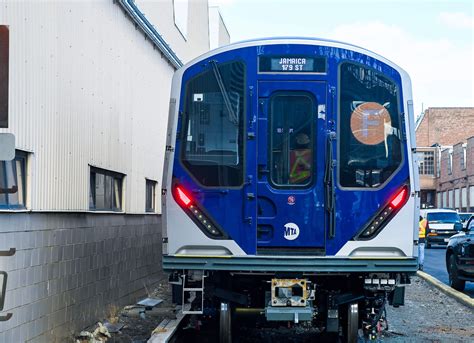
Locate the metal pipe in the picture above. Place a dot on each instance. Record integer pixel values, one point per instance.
(139, 18)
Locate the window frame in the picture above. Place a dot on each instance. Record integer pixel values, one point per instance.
(463, 157)
(427, 163)
(153, 184)
(183, 125)
(401, 128)
(92, 190)
(22, 157)
(314, 103)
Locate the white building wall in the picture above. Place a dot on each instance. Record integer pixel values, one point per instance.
(186, 45)
(87, 88)
(218, 33)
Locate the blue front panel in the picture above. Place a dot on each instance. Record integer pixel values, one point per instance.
(238, 209)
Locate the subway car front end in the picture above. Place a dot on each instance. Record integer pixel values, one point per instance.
(290, 189)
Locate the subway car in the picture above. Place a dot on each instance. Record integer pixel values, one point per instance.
(290, 186)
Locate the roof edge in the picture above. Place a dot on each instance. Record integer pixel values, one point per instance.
(149, 30)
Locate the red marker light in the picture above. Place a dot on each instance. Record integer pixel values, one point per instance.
(183, 197)
(399, 198)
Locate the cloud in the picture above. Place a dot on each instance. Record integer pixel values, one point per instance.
(458, 20)
(441, 70)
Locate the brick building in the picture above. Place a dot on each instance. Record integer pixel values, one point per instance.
(445, 143)
(444, 126)
(456, 180)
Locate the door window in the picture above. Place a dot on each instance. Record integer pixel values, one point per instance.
(291, 139)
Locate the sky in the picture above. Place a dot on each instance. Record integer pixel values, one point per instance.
(432, 40)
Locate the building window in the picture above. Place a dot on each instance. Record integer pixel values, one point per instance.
(105, 190)
(150, 196)
(180, 13)
(463, 157)
(450, 198)
(13, 182)
(464, 198)
(426, 160)
(445, 200)
(471, 198)
(457, 195)
(450, 162)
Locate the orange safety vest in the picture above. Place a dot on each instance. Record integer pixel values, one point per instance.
(300, 162)
(422, 228)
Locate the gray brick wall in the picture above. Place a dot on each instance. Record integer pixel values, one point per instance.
(70, 267)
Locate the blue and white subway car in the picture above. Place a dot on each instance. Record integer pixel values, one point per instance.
(290, 187)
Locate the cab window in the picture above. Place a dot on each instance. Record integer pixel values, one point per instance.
(212, 133)
(369, 127)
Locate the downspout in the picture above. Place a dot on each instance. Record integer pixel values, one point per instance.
(139, 18)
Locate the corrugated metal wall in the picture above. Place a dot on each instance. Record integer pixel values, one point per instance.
(86, 88)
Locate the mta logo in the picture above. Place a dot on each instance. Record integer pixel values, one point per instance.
(291, 232)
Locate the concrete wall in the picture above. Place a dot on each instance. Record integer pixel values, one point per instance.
(69, 268)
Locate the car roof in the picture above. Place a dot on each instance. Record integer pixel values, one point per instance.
(424, 212)
(429, 210)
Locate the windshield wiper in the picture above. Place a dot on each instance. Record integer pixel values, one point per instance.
(330, 203)
(232, 116)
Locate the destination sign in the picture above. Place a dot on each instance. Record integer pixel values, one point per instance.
(291, 64)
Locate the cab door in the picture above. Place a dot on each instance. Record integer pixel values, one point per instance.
(290, 167)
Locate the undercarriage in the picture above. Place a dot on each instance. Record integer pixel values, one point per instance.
(344, 305)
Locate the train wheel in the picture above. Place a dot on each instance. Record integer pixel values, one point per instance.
(225, 323)
(351, 330)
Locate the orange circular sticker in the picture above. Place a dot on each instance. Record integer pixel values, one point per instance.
(368, 122)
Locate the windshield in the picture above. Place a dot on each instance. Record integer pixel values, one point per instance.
(370, 136)
(443, 217)
(213, 125)
(465, 216)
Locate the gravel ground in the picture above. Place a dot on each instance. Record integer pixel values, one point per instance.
(428, 316)
(138, 326)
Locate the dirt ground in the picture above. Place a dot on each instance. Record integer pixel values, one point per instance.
(428, 316)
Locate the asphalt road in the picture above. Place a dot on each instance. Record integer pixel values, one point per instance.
(435, 265)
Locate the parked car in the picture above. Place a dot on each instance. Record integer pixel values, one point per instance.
(442, 224)
(460, 257)
(464, 218)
